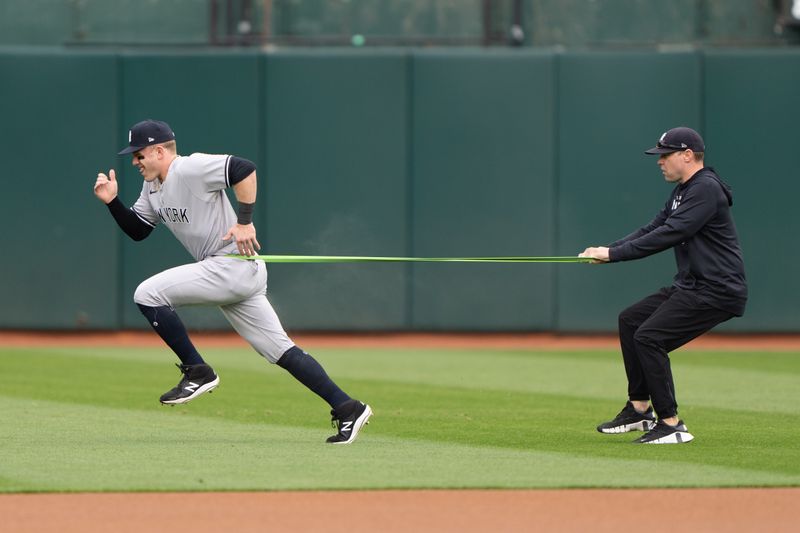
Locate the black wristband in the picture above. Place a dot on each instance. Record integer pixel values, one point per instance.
(245, 216)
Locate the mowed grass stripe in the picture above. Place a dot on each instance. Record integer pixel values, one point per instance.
(455, 415)
(107, 449)
(780, 362)
(594, 374)
(582, 374)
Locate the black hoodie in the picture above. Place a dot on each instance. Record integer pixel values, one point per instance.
(697, 222)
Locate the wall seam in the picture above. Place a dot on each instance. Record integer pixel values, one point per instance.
(701, 82)
(118, 126)
(409, 174)
(556, 177)
(261, 129)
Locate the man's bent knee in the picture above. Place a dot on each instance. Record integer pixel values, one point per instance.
(627, 320)
(643, 336)
(144, 295)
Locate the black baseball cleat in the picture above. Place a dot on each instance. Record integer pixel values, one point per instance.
(629, 419)
(663, 433)
(349, 417)
(196, 380)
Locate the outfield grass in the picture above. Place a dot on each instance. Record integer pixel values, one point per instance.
(89, 420)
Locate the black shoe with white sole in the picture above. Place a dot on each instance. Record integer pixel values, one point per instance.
(196, 380)
(349, 418)
(629, 419)
(663, 433)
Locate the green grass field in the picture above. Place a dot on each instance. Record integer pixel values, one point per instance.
(89, 420)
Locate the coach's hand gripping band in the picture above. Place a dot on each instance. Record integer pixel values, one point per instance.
(364, 259)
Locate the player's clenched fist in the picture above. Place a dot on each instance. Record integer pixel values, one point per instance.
(105, 188)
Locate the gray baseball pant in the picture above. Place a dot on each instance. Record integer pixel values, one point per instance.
(236, 286)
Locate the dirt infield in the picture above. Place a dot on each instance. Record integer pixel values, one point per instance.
(655, 510)
(534, 341)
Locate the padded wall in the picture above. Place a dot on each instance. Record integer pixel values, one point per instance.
(482, 179)
(336, 127)
(390, 152)
(752, 120)
(61, 258)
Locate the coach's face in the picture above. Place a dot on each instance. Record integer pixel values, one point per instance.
(147, 161)
(672, 166)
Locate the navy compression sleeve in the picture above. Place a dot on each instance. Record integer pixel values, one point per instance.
(238, 169)
(130, 223)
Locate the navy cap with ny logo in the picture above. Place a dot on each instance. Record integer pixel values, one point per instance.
(146, 133)
(678, 140)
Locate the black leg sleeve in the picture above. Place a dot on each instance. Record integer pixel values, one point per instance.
(310, 373)
(170, 328)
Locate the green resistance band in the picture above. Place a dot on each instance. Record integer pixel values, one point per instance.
(363, 259)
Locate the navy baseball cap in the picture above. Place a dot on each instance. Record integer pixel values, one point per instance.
(146, 133)
(677, 140)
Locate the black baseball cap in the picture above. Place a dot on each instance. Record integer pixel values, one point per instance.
(677, 140)
(146, 133)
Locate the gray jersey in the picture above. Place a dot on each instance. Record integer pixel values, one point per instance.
(192, 203)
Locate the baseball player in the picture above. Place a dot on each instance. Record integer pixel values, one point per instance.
(709, 288)
(186, 194)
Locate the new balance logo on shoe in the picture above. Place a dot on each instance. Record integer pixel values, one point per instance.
(196, 380)
(349, 417)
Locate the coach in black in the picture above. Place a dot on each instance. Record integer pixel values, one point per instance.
(708, 289)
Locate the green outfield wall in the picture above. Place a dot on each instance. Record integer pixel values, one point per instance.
(398, 152)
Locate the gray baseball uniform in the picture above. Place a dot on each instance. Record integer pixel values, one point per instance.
(192, 203)
(187, 194)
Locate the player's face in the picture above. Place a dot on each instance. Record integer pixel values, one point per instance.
(146, 160)
(671, 166)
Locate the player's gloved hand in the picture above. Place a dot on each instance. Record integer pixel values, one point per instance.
(245, 236)
(105, 187)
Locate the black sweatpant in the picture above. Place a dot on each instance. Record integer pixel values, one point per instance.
(651, 328)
